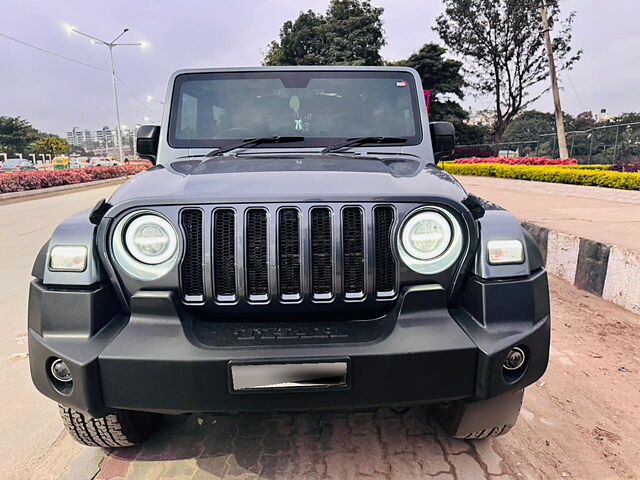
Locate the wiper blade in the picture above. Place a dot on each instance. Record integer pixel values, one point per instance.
(352, 142)
(250, 142)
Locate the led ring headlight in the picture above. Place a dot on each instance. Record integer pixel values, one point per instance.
(145, 245)
(426, 235)
(150, 239)
(430, 240)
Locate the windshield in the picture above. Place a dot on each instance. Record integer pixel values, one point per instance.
(13, 162)
(218, 109)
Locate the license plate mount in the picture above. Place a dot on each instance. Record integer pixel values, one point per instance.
(281, 376)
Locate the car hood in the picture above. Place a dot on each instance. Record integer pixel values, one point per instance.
(297, 179)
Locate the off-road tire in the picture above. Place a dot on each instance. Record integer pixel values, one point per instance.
(119, 429)
(492, 432)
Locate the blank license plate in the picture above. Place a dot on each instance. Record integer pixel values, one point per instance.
(312, 375)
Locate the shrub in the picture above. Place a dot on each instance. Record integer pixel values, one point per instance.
(633, 167)
(555, 174)
(32, 180)
(518, 161)
(478, 151)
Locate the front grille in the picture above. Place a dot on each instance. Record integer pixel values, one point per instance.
(287, 254)
(353, 252)
(256, 250)
(321, 254)
(224, 254)
(385, 276)
(191, 269)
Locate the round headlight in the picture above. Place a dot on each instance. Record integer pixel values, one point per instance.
(430, 240)
(151, 239)
(426, 235)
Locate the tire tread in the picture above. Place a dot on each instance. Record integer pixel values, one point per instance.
(111, 431)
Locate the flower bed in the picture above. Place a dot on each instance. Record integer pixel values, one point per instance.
(32, 180)
(518, 161)
(555, 174)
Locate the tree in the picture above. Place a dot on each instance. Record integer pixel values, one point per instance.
(504, 49)
(528, 125)
(350, 33)
(15, 134)
(52, 145)
(443, 78)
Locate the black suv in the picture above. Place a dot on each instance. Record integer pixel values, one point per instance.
(294, 248)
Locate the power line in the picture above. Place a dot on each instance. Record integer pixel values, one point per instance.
(53, 53)
(133, 95)
(575, 91)
(69, 59)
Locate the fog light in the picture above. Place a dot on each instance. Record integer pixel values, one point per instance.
(60, 371)
(514, 359)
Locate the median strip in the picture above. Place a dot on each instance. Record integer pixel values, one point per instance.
(608, 271)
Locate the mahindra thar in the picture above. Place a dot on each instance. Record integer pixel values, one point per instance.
(294, 248)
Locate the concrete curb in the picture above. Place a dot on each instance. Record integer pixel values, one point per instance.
(608, 271)
(14, 197)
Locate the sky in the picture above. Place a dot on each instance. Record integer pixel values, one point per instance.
(56, 95)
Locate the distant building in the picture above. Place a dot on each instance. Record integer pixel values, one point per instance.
(103, 141)
(604, 116)
(80, 138)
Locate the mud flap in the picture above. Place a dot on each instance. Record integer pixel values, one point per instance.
(490, 417)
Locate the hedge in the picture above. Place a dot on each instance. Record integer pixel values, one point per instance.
(559, 174)
(32, 180)
(518, 161)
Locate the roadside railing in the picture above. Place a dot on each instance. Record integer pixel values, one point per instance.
(600, 145)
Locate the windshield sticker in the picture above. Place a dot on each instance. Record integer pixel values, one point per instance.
(402, 83)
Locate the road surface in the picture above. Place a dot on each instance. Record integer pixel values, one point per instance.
(580, 421)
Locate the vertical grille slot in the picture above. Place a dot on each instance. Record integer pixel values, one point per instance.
(385, 269)
(321, 254)
(191, 269)
(289, 253)
(224, 254)
(257, 256)
(353, 252)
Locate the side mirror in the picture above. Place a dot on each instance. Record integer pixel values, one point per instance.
(147, 140)
(443, 139)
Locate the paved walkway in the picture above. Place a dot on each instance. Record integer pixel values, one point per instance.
(606, 215)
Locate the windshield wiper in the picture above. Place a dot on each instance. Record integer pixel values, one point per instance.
(250, 142)
(352, 142)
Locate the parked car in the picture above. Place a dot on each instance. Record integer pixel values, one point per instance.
(16, 165)
(78, 162)
(103, 162)
(297, 250)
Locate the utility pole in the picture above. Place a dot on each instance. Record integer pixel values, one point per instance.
(562, 139)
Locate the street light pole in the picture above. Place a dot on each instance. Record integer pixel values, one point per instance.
(115, 96)
(114, 77)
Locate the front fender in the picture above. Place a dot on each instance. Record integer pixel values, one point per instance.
(75, 230)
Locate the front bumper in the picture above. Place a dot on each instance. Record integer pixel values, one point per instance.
(162, 359)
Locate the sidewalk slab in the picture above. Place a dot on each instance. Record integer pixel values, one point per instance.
(604, 215)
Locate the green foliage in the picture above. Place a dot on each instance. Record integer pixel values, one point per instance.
(504, 51)
(349, 33)
(560, 174)
(16, 134)
(444, 79)
(52, 145)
